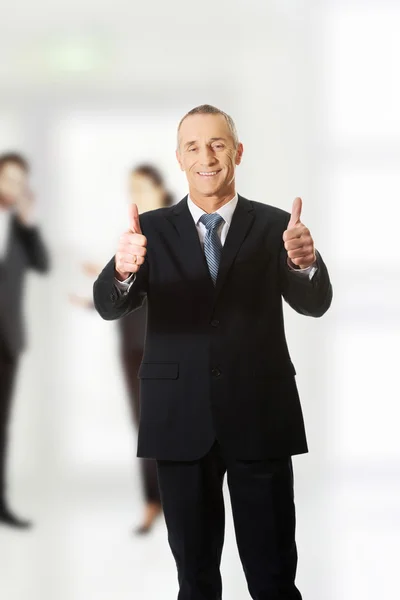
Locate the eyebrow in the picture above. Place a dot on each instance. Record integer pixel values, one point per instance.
(213, 139)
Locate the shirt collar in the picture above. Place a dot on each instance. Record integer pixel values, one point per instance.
(226, 211)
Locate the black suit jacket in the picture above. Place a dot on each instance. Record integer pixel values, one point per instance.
(216, 362)
(25, 250)
(132, 329)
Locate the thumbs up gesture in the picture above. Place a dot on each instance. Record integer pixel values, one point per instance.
(298, 241)
(131, 248)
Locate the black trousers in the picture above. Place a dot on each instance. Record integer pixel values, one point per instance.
(264, 517)
(131, 360)
(8, 368)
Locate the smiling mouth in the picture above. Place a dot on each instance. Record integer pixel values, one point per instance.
(208, 173)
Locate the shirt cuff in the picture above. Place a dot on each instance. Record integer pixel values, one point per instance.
(310, 271)
(124, 286)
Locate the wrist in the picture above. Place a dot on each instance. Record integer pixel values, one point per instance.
(291, 265)
(121, 276)
(302, 267)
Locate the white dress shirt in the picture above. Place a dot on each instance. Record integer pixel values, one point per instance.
(226, 212)
(5, 220)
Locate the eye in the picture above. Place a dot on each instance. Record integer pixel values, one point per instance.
(192, 150)
(218, 146)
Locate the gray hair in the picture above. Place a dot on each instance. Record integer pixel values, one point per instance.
(207, 109)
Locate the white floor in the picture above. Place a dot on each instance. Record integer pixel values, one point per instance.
(82, 547)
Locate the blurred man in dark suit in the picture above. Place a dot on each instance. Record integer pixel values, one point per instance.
(218, 389)
(21, 248)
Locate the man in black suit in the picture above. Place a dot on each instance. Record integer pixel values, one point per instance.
(21, 248)
(218, 390)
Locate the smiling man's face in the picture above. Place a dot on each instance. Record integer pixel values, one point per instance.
(208, 155)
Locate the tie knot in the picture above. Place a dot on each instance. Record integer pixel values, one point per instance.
(211, 221)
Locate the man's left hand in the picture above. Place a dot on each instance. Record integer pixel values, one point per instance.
(298, 241)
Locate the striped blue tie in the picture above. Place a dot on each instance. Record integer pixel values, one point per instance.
(212, 242)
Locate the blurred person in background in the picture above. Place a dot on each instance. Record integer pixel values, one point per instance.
(218, 389)
(148, 190)
(21, 249)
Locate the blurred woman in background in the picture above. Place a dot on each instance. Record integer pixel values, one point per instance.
(147, 189)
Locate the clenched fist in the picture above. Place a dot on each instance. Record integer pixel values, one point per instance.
(298, 241)
(131, 248)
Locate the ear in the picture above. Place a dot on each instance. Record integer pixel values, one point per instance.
(239, 154)
(179, 159)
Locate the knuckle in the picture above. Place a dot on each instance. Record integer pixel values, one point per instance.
(140, 250)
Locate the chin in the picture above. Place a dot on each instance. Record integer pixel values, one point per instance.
(210, 189)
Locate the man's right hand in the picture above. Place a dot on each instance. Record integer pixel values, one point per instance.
(131, 248)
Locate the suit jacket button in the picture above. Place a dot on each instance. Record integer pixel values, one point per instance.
(214, 323)
(216, 372)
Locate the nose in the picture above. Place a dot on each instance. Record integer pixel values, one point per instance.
(207, 157)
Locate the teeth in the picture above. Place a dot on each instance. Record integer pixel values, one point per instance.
(209, 174)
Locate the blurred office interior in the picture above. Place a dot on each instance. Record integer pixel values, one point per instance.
(89, 89)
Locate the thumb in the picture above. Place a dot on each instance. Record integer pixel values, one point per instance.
(296, 213)
(134, 223)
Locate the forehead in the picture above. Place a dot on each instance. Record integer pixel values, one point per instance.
(12, 171)
(203, 127)
(141, 179)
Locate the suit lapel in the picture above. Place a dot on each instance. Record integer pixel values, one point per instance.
(188, 244)
(189, 248)
(242, 221)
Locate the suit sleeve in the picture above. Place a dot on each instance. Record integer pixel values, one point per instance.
(36, 251)
(108, 300)
(311, 298)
